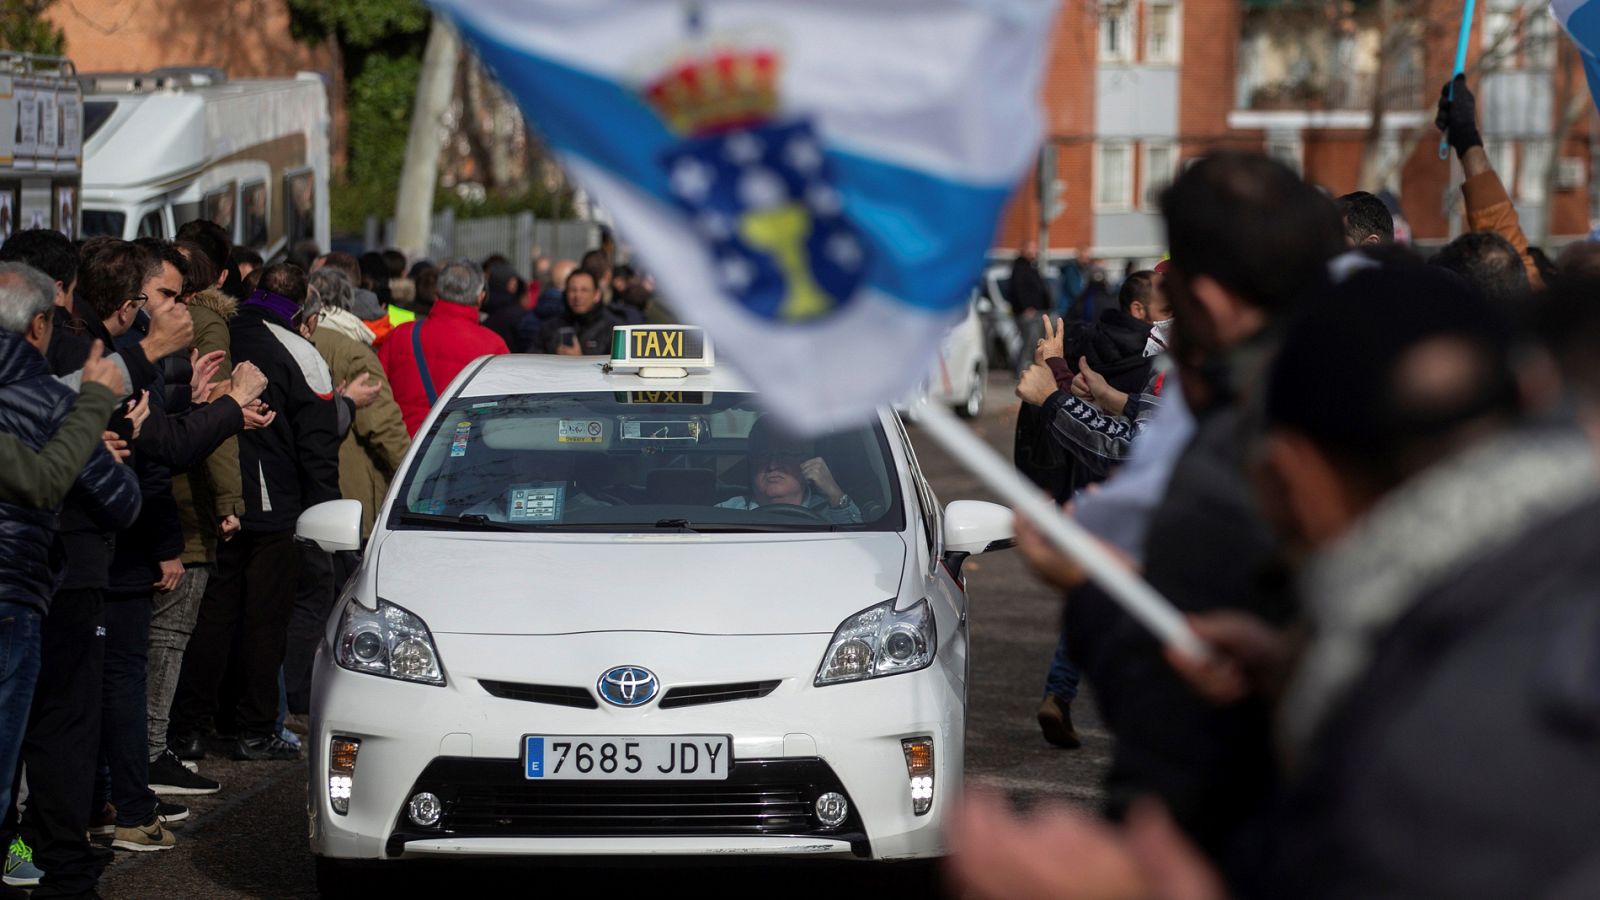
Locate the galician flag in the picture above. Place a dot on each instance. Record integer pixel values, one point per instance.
(814, 181)
(1581, 20)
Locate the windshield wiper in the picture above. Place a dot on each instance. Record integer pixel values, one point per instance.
(465, 521)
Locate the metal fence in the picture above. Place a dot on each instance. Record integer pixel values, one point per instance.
(519, 238)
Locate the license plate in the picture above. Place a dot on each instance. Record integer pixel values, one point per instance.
(696, 757)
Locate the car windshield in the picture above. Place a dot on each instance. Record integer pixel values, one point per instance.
(643, 460)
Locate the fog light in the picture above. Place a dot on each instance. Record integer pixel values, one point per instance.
(425, 809)
(919, 769)
(342, 772)
(832, 809)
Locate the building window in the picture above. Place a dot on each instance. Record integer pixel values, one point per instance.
(1531, 174)
(1116, 32)
(1113, 177)
(1503, 157)
(1160, 165)
(1161, 32)
(1539, 42)
(1285, 147)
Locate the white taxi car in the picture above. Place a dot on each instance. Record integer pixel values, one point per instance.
(616, 609)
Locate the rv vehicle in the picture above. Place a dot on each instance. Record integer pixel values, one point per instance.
(162, 148)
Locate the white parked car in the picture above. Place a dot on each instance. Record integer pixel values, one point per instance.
(961, 372)
(587, 624)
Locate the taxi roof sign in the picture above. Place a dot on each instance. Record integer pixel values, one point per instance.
(660, 351)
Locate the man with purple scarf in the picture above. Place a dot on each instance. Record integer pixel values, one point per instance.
(290, 465)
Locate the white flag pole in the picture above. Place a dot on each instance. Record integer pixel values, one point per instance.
(1130, 591)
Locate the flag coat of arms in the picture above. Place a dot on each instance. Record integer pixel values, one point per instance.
(816, 182)
(1581, 21)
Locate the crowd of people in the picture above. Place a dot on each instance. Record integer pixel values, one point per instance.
(1368, 481)
(167, 411)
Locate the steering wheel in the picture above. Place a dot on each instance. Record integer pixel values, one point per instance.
(791, 509)
(872, 510)
(607, 497)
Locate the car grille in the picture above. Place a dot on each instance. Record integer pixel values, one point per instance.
(492, 798)
(554, 694)
(717, 693)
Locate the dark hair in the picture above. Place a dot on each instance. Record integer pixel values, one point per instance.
(1136, 288)
(427, 282)
(233, 285)
(593, 278)
(211, 238)
(421, 265)
(623, 271)
(492, 260)
(596, 263)
(396, 261)
(1489, 263)
(111, 272)
(45, 249)
(1252, 225)
(303, 253)
(1364, 215)
(1568, 321)
(286, 280)
(198, 273)
(162, 251)
(1340, 378)
(345, 263)
(374, 272)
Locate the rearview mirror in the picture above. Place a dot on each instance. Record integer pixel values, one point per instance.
(973, 526)
(334, 525)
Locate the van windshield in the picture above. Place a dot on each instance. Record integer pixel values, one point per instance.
(643, 460)
(97, 222)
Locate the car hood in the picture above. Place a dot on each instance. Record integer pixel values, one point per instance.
(696, 584)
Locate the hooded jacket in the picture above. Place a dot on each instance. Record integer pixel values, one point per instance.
(33, 406)
(370, 454)
(451, 338)
(294, 462)
(346, 323)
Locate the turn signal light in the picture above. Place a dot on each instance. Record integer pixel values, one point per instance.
(919, 769)
(342, 772)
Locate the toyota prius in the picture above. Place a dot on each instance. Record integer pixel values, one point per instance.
(618, 608)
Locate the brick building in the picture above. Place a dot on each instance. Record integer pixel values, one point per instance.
(1135, 89)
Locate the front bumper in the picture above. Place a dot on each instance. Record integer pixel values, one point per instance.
(463, 744)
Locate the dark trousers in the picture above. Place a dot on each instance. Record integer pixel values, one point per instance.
(124, 728)
(314, 597)
(248, 601)
(62, 744)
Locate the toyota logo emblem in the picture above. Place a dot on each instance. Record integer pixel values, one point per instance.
(628, 686)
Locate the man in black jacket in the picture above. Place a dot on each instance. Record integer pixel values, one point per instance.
(147, 555)
(1248, 239)
(63, 725)
(286, 467)
(584, 326)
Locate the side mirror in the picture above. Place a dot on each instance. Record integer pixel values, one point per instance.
(334, 525)
(973, 526)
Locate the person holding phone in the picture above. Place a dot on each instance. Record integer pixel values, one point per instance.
(584, 327)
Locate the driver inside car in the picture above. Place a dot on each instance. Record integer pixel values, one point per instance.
(785, 471)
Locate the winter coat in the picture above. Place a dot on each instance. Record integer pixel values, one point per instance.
(1027, 287)
(1044, 448)
(346, 323)
(210, 491)
(293, 463)
(593, 330)
(33, 407)
(1207, 548)
(1443, 724)
(41, 479)
(370, 454)
(1489, 208)
(451, 338)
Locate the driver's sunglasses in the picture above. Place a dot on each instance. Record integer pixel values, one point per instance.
(790, 457)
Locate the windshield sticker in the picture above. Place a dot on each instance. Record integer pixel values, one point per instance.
(580, 431)
(458, 447)
(489, 405)
(537, 504)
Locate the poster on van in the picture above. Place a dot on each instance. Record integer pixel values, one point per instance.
(8, 213)
(66, 207)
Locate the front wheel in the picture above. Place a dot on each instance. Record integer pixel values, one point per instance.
(972, 406)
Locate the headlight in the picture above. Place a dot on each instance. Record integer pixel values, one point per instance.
(389, 642)
(880, 641)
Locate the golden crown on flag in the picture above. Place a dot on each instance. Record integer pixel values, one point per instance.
(717, 90)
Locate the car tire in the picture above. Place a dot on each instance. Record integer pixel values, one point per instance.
(972, 406)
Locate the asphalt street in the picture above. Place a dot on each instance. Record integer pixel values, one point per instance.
(249, 841)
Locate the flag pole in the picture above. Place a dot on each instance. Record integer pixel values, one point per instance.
(1130, 591)
(1463, 41)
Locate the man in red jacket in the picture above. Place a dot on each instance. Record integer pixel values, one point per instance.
(421, 358)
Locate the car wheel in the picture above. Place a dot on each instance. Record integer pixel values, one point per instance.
(972, 407)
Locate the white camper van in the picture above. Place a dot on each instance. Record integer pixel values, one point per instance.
(164, 147)
(41, 145)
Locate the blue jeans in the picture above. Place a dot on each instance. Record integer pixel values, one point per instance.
(1062, 682)
(19, 671)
